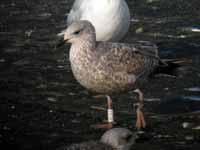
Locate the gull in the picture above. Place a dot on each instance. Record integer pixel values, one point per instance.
(111, 18)
(110, 68)
(113, 139)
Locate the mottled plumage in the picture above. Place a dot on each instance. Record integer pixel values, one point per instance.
(106, 67)
(111, 18)
(113, 139)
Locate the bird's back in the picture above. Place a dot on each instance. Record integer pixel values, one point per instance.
(138, 58)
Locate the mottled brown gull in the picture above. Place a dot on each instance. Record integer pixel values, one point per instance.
(113, 139)
(107, 68)
(111, 18)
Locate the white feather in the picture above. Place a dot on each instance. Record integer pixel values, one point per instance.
(111, 18)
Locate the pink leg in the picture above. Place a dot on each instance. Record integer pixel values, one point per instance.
(109, 123)
(140, 120)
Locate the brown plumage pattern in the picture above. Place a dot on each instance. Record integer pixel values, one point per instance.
(106, 67)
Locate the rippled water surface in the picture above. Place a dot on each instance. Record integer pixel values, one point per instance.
(43, 107)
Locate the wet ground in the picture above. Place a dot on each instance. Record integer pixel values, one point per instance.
(43, 107)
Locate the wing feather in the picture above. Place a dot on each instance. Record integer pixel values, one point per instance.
(133, 58)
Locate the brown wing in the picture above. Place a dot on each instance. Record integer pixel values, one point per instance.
(136, 58)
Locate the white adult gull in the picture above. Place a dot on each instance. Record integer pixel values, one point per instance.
(111, 18)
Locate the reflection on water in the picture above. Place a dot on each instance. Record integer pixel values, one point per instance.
(193, 89)
(192, 98)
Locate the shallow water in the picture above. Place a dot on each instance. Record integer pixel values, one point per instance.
(43, 107)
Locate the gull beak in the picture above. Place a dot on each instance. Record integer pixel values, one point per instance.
(61, 42)
(63, 38)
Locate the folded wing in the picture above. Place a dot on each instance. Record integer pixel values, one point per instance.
(137, 58)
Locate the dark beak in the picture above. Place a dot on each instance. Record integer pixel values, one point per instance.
(60, 42)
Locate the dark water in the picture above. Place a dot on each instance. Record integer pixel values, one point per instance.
(43, 107)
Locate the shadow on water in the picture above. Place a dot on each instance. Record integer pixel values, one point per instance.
(43, 107)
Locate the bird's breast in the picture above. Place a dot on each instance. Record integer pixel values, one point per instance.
(93, 73)
(84, 69)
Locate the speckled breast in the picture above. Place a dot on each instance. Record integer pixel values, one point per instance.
(90, 74)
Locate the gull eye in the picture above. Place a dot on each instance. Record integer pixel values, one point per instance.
(77, 32)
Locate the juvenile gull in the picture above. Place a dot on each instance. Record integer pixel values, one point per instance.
(111, 18)
(106, 67)
(113, 139)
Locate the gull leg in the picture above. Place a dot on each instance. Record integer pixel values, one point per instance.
(110, 121)
(140, 120)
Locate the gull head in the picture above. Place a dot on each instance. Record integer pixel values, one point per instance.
(119, 138)
(79, 31)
